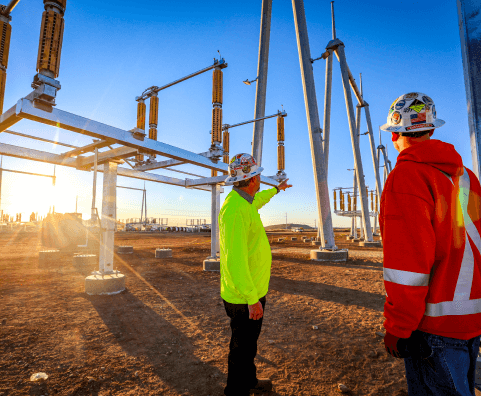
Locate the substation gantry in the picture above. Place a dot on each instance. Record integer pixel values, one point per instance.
(40, 106)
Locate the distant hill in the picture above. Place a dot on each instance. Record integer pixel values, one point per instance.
(289, 226)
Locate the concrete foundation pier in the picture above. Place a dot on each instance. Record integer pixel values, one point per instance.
(307, 240)
(293, 238)
(163, 253)
(316, 243)
(370, 244)
(212, 264)
(280, 239)
(329, 255)
(349, 237)
(47, 256)
(102, 284)
(125, 250)
(85, 262)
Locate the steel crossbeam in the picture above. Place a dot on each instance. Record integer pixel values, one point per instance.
(25, 109)
(85, 149)
(42, 156)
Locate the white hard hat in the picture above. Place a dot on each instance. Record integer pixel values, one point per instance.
(412, 112)
(242, 167)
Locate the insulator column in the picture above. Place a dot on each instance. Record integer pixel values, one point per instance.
(355, 203)
(51, 36)
(6, 31)
(335, 201)
(343, 207)
(372, 201)
(281, 158)
(141, 108)
(153, 116)
(225, 146)
(349, 202)
(216, 110)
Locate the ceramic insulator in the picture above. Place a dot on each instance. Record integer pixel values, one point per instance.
(154, 110)
(216, 125)
(213, 173)
(50, 45)
(3, 79)
(348, 202)
(141, 115)
(281, 159)
(355, 203)
(335, 200)
(153, 133)
(6, 31)
(341, 196)
(139, 157)
(280, 129)
(225, 146)
(376, 203)
(372, 201)
(217, 86)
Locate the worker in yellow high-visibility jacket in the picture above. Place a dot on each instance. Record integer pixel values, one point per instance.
(245, 267)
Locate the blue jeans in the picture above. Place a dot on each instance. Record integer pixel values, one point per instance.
(449, 370)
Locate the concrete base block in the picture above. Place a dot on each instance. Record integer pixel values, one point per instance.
(349, 237)
(329, 255)
(125, 249)
(356, 240)
(212, 265)
(85, 262)
(307, 240)
(45, 256)
(163, 253)
(280, 239)
(316, 243)
(293, 238)
(106, 284)
(370, 244)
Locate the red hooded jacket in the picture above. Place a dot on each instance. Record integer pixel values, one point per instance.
(430, 222)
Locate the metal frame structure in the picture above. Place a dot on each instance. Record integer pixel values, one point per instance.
(39, 106)
(336, 46)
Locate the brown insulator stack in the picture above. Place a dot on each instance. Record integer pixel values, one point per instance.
(348, 202)
(372, 201)
(341, 196)
(6, 31)
(153, 117)
(217, 106)
(377, 203)
(51, 36)
(226, 147)
(335, 201)
(140, 123)
(281, 157)
(355, 202)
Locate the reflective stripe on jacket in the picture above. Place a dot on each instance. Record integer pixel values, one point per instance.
(245, 253)
(432, 249)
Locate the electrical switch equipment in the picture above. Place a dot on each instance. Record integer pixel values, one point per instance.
(225, 146)
(153, 117)
(217, 87)
(216, 125)
(51, 36)
(141, 108)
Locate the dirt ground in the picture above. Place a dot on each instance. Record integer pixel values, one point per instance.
(168, 333)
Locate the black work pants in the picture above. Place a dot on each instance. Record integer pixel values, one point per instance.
(241, 370)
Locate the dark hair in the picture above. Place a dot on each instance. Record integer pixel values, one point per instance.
(416, 134)
(243, 183)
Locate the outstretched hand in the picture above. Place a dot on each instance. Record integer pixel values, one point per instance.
(283, 185)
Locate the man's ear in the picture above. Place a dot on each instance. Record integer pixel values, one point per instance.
(395, 136)
(431, 133)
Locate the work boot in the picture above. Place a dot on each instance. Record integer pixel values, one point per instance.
(263, 386)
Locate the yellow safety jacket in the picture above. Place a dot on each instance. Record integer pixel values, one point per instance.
(245, 253)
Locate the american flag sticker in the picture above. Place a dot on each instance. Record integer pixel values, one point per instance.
(418, 118)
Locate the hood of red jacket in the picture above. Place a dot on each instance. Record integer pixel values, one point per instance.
(440, 155)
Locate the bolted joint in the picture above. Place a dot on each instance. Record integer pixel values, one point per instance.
(3, 17)
(57, 6)
(45, 89)
(333, 44)
(138, 133)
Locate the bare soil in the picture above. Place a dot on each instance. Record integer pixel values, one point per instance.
(168, 333)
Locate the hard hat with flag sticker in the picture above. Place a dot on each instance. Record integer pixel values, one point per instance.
(242, 167)
(412, 112)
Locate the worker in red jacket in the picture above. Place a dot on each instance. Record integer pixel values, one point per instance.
(430, 222)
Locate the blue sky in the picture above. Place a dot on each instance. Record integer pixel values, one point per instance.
(113, 50)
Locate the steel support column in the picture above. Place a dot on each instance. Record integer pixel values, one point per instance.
(106, 254)
(375, 160)
(261, 86)
(315, 132)
(355, 146)
(214, 224)
(327, 109)
(469, 30)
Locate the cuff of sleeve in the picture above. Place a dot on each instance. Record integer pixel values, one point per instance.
(277, 190)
